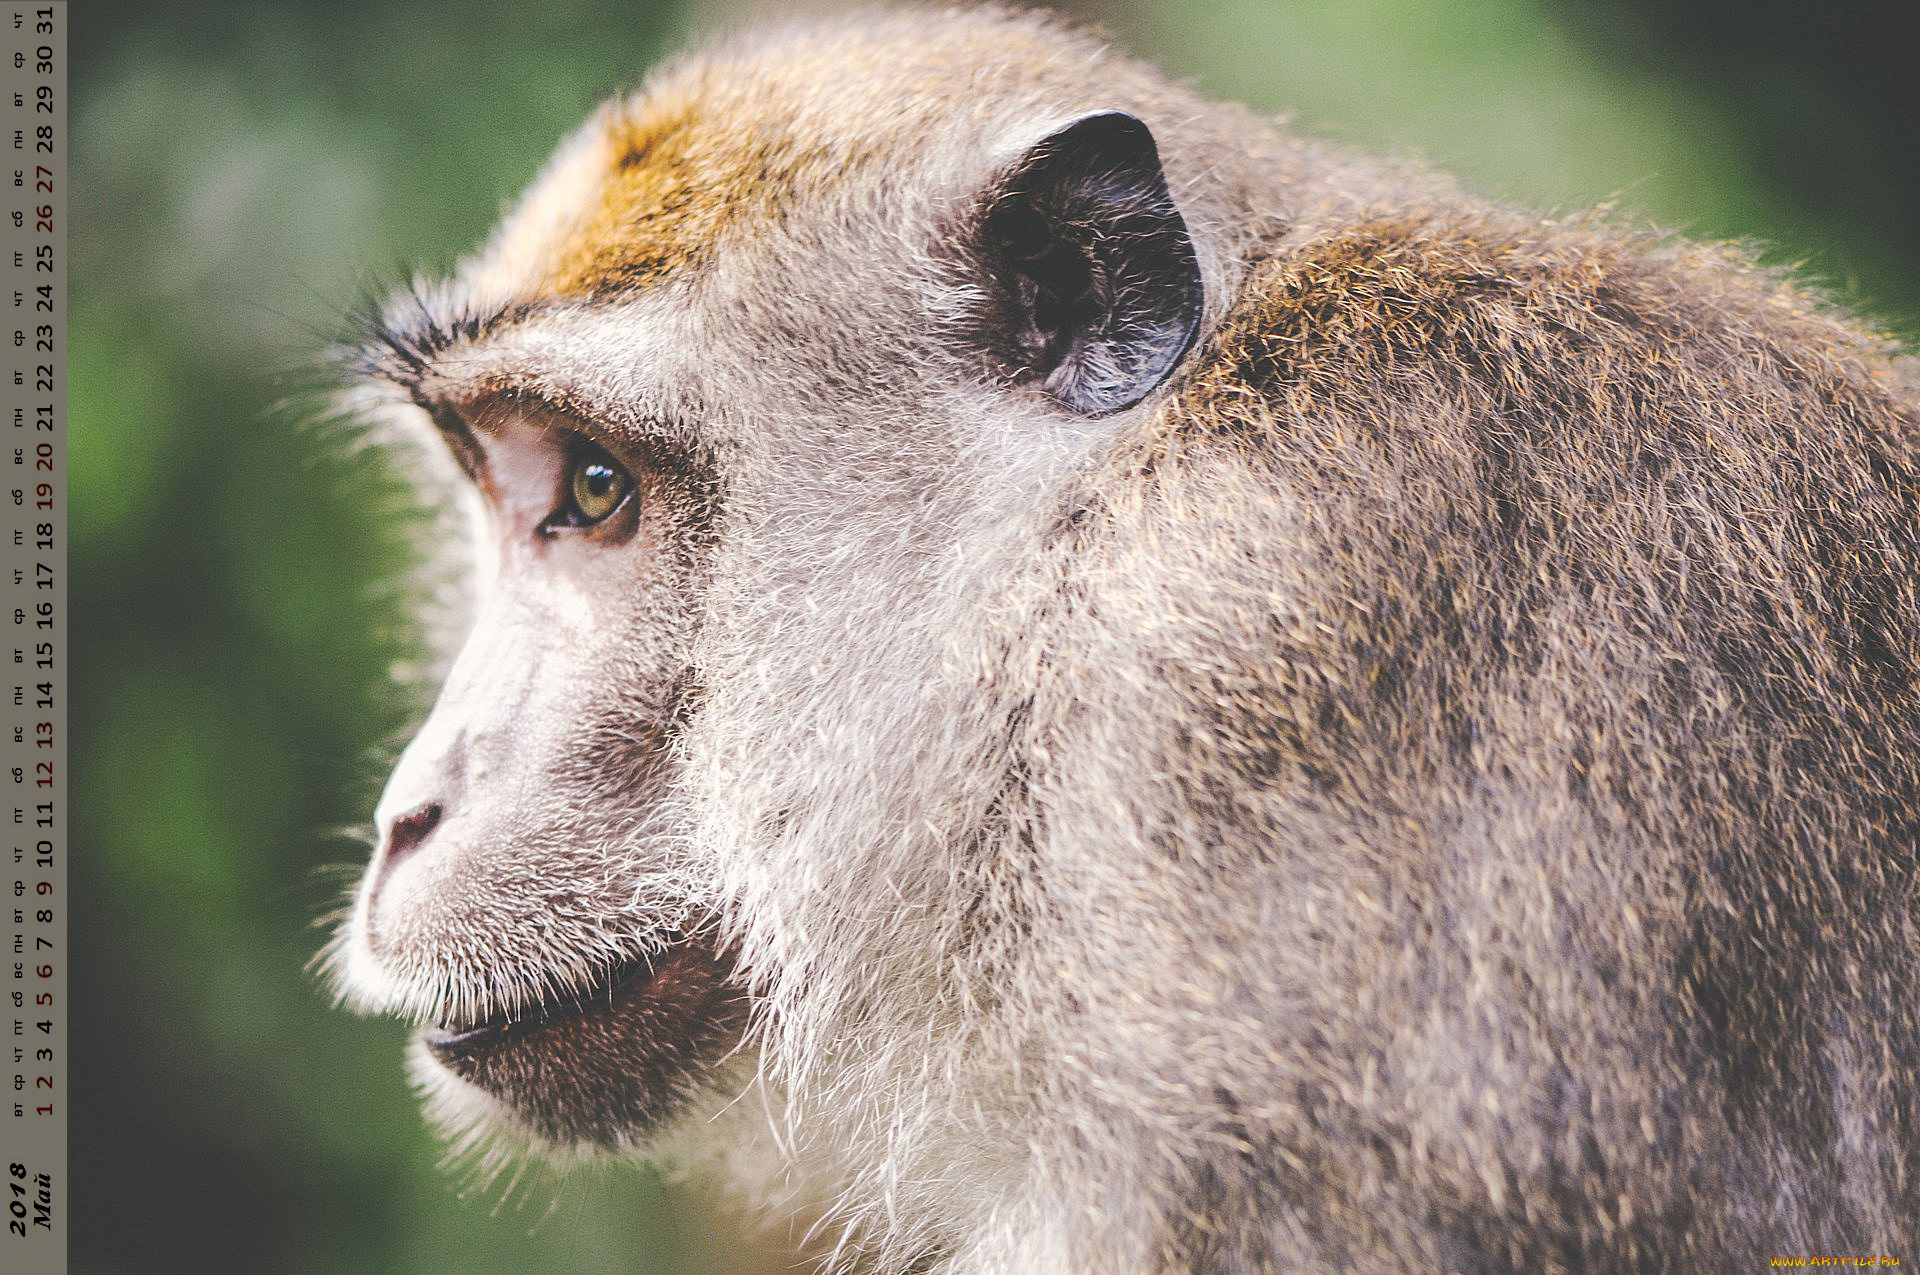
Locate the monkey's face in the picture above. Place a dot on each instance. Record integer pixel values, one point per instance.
(527, 904)
(765, 400)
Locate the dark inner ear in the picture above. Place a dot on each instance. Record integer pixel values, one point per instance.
(1099, 289)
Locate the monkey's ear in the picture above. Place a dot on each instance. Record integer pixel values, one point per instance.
(1098, 290)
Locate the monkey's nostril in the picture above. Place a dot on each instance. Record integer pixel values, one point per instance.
(409, 832)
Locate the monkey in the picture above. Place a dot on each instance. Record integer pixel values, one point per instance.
(1085, 684)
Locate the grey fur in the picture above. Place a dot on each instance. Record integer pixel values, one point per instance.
(1431, 788)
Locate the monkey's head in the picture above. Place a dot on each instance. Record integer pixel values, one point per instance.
(762, 398)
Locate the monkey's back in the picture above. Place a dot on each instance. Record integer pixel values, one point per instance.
(1501, 654)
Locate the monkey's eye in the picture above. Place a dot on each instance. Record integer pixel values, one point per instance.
(593, 487)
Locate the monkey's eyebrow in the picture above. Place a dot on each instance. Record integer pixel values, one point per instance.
(458, 362)
(399, 342)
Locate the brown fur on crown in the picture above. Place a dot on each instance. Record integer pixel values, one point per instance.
(704, 148)
(752, 130)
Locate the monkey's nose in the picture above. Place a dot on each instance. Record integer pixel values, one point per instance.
(407, 834)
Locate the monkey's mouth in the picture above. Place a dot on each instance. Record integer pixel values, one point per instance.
(608, 1062)
(600, 997)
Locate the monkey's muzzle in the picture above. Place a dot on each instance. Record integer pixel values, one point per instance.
(611, 1061)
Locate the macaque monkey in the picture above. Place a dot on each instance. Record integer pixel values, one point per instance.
(1139, 694)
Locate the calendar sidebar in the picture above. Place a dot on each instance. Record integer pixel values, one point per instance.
(33, 571)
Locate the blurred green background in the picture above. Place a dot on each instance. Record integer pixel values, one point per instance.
(243, 173)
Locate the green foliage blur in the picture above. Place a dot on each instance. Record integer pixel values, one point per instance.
(246, 173)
